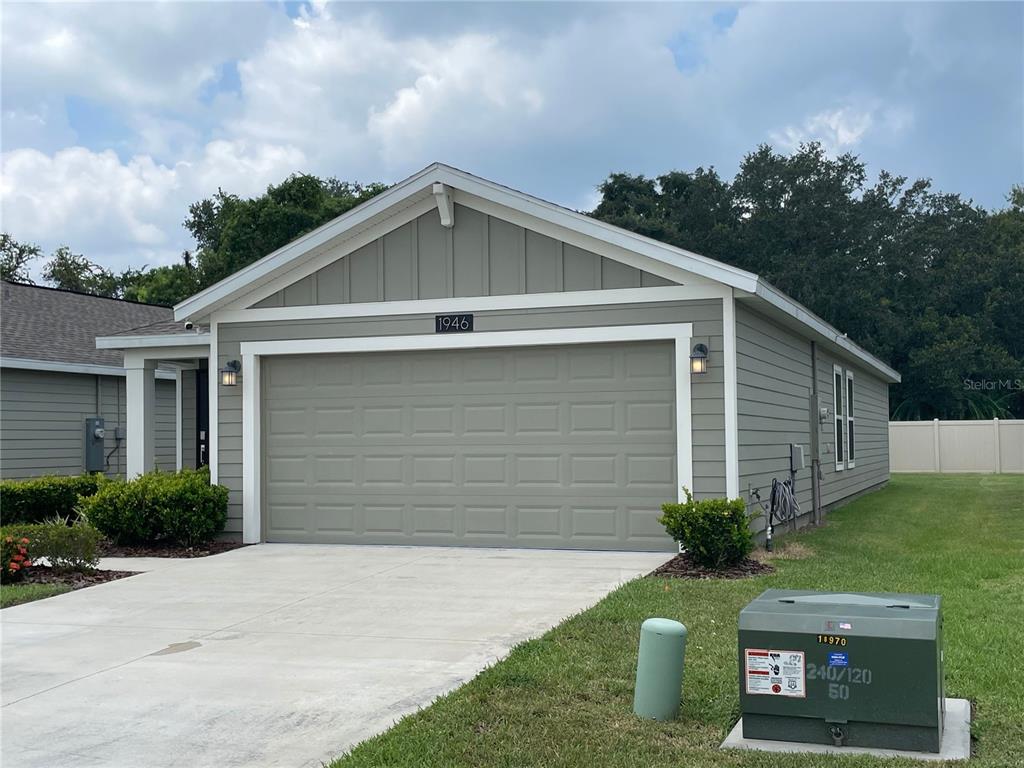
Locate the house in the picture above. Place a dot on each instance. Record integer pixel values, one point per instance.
(54, 381)
(456, 362)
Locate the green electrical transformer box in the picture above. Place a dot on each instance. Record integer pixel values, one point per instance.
(842, 669)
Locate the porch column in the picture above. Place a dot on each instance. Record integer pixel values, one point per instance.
(140, 385)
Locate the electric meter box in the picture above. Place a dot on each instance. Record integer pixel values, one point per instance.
(843, 669)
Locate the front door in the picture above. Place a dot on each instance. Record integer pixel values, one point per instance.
(202, 418)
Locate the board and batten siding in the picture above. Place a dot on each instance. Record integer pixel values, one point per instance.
(479, 256)
(708, 420)
(42, 421)
(773, 386)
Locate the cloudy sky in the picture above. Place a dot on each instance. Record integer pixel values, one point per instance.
(116, 116)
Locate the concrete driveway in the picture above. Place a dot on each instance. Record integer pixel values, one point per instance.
(275, 655)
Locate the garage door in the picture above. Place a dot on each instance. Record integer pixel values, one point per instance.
(570, 447)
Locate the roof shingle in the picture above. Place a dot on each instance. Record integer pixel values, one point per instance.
(39, 323)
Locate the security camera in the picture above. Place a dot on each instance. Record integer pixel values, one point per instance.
(188, 325)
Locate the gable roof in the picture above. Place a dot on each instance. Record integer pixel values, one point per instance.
(475, 192)
(50, 325)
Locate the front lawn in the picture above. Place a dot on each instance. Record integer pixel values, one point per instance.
(16, 594)
(565, 699)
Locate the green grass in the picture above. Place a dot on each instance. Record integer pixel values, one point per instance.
(16, 594)
(565, 699)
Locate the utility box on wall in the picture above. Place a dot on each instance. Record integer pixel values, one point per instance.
(843, 669)
(95, 436)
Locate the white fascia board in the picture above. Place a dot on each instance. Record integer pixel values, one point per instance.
(49, 366)
(240, 281)
(474, 304)
(781, 301)
(161, 340)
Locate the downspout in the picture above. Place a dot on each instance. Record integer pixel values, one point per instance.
(815, 439)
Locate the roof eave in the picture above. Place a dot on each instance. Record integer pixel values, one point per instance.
(769, 293)
(169, 340)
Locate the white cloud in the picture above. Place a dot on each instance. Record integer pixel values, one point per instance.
(838, 130)
(156, 55)
(124, 213)
(548, 99)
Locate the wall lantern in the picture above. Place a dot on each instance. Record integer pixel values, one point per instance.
(699, 359)
(229, 373)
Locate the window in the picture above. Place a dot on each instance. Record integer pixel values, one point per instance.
(851, 452)
(840, 416)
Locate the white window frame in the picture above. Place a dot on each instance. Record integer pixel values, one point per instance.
(839, 418)
(850, 419)
(252, 353)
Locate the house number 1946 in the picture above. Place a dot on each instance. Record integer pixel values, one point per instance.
(453, 323)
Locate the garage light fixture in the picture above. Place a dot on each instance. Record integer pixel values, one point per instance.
(229, 373)
(699, 359)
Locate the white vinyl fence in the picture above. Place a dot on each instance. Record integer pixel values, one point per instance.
(956, 446)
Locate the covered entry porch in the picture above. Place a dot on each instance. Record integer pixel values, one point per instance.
(188, 357)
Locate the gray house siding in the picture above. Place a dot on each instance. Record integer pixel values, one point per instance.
(773, 409)
(773, 384)
(42, 421)
(708, 421)
(188, 419)
(165, 455)
(479, 256)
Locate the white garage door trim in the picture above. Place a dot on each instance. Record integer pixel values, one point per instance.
(252, 351)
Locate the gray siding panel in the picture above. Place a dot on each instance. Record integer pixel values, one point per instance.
(188, 419)
(708, 427)
(42, 422)
(773, 409)
(42, 430)
(480, 256)
(165, 445)
(773, 384)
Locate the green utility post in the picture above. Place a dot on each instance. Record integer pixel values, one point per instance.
(659, 669)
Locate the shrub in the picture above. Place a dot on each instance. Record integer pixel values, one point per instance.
(714, 532)
(40, 498)
(65, 545)
(160, 508)
(14, 557)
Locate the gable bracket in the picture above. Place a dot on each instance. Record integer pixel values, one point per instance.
(445, 206)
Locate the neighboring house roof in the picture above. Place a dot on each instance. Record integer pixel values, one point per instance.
(52, 329)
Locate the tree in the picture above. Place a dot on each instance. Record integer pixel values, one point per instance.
(74, 272)
(923, 279)
(162, 285)
(15, 258)
(231, 232)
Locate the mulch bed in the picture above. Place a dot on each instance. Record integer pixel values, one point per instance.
(108, 549)
(44, 574)
(682, 567)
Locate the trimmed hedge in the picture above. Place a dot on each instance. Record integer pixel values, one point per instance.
(41, 498)
(73, 547)
(714, 532)
(179, 508)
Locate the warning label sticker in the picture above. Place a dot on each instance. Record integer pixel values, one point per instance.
(775, 673)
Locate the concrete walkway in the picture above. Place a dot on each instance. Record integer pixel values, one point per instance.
(275, 655)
